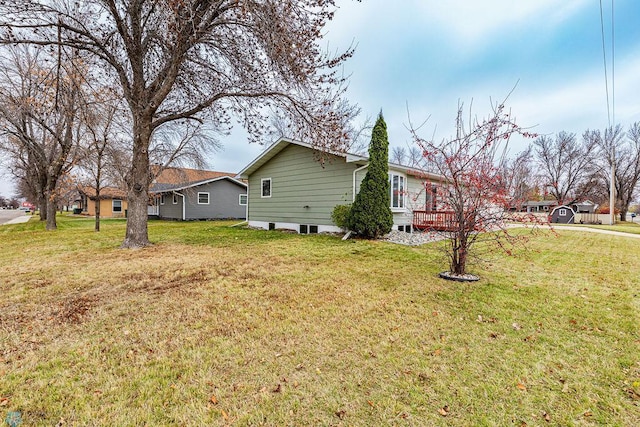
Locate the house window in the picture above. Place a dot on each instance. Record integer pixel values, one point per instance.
(116, 205)
(203, 198)
(175, 199)
(397, 191)
(562, 212)
(431, 203)
(162, 199)
(266, 187)
(243, 200)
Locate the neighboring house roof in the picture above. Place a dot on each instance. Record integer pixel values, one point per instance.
(105, 192)
(176, 179)
(540, 203)
(164, 188)
(282, 143)
(173, 175)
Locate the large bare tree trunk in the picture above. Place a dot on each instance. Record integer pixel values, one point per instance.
(42, 206)
(138, 187)
(51, 212)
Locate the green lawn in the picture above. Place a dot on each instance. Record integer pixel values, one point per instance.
(623, 226)
(229, 326)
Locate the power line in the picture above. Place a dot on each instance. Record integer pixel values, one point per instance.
(613, 68)
(604, 57)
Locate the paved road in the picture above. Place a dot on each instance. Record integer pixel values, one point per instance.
(13, 216)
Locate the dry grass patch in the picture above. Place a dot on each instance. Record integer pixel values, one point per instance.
(220, 326)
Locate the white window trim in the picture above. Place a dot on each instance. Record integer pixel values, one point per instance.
(403, 194)
(208, 198)
(246, 199)
(162, 199)
(113, 202)
(562, 212)
(262, 188)
(175, 199)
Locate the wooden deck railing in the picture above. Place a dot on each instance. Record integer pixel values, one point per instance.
(434, 220)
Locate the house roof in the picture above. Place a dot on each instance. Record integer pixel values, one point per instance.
(283, 143)
(176, 179)
(164, 188)
(174, 176)
(105, 192)
(540, 203)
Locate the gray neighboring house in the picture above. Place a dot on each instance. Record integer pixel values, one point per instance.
(222, 197)
(293, 186)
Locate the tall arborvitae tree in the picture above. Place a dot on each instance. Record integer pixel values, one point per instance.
(371, 214)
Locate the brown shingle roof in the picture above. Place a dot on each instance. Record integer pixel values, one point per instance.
(184, 175)
(105, 192)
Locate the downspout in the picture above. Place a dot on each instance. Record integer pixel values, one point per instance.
(183, 205)
(246, 208)
(354, 180)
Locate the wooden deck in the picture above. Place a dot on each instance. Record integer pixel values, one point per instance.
(434, 220)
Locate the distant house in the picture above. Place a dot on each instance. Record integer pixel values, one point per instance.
(586, 206)
(192, 194)
(538, 206)
(290, 188)
(113, 201)
(562, 214)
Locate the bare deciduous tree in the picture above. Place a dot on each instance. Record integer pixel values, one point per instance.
(102, 113)
(471, 164)
(518, 178)
(615, 148)
(38, 105)
(565, 164)
(197, 60)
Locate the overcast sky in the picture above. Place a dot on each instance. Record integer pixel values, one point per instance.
(431, 54)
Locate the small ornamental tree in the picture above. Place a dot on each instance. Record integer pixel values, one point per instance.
(472, 166)
(371, 214)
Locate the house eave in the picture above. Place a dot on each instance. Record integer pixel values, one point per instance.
(199, 183)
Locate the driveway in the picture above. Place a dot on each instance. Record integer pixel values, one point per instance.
(13, 216)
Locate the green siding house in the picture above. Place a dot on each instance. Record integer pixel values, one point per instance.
(292, 186)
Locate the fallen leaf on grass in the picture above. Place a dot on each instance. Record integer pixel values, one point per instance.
(634, 395)
(588, 414)
(277, 389)
(437, 352)
(4, 401)
(444, 411)
(516, 326)
(213, 400)
(371, 403)
(546, 417)
(341, 413)
(522, 387)
(224, 414)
